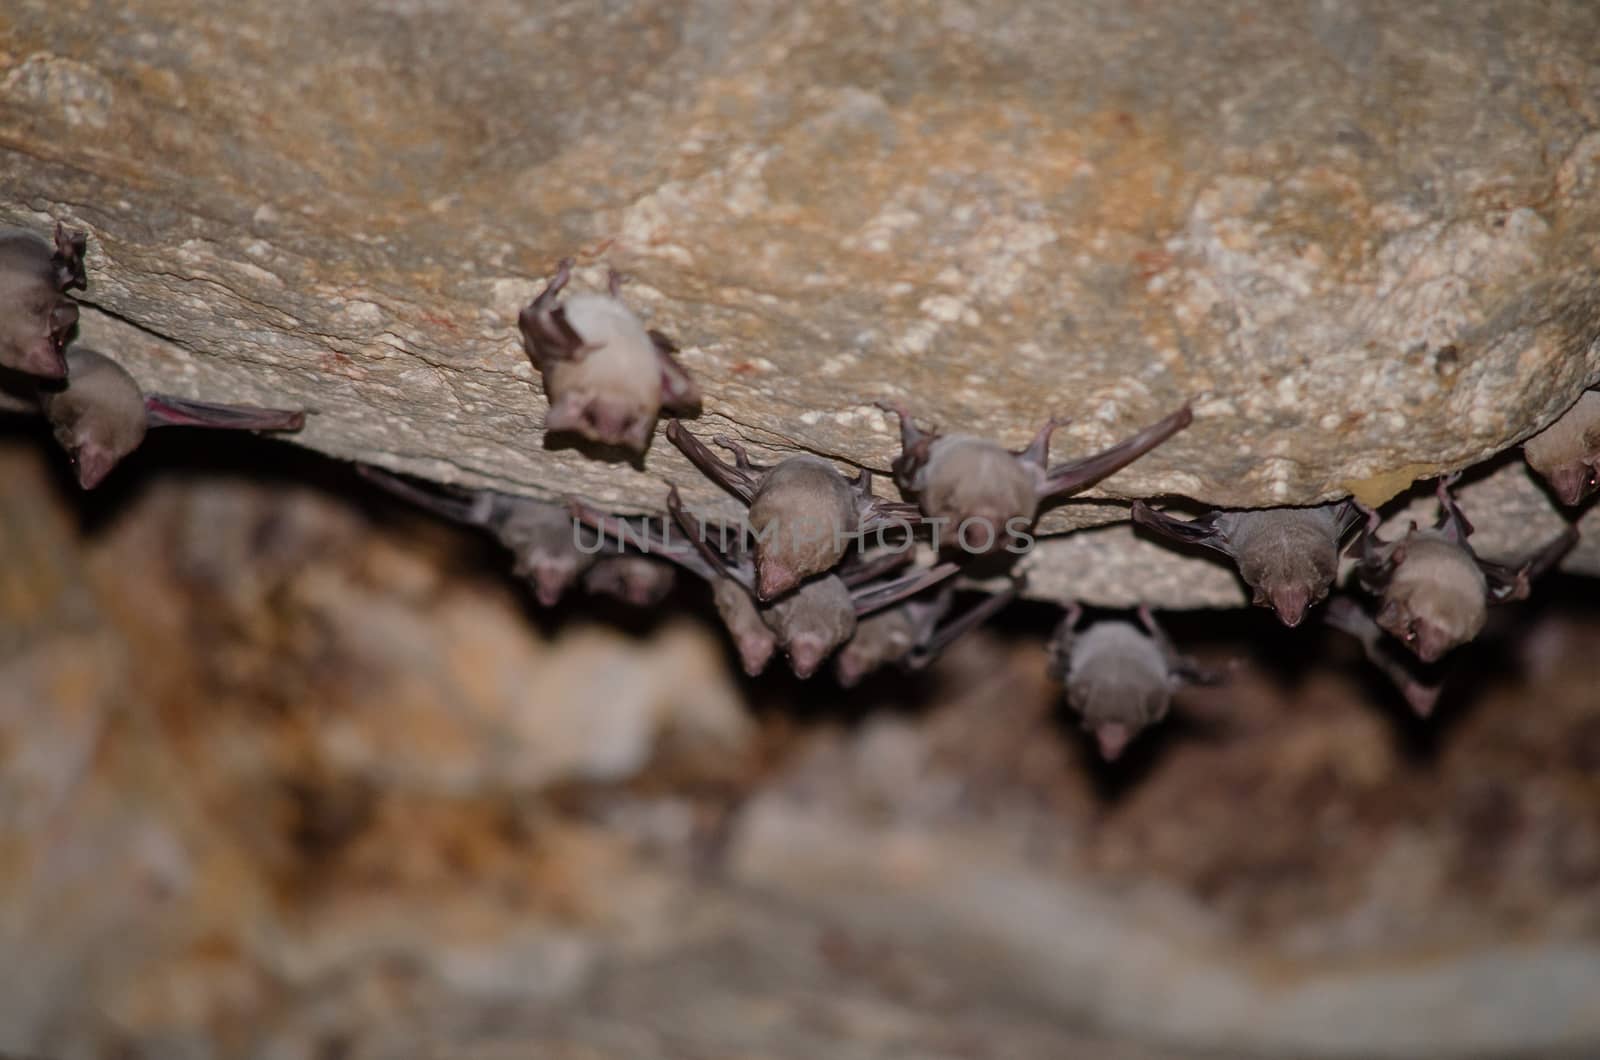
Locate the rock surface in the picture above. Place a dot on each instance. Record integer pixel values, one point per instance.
(1362, 236)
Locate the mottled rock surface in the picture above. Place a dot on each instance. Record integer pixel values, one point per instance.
(1363, 236)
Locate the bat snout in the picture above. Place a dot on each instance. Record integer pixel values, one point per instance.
(1291, 603)
(1112, 738)
(774, 579)
(806, 654)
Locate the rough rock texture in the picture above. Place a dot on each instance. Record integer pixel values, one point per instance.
(1362, 235)
(284, 780)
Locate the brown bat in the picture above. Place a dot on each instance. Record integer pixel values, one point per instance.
(810, 622)
(1347, 616)
(606, 378)
(637, 580)
(1288, 556)
(543, 541)
(1119, 678)
(805, 515)
(101, 415)
(910, 634)
(36, 316)
(1435, 589)
(1566, 454)
(990, 495)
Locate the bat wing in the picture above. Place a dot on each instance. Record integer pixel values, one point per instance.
(1079, 474)
(679, 393)
(879, 514)
(882, 595)
(164, 410)
(1198, 531)
(937, 638)
(1346, 517)
(1452, 520)
(867, 570)
(742, 482)
(715, 563)
(452, 504)
(1512, 583)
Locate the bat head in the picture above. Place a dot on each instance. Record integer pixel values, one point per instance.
(1117, 707)
(803, 515)
(98, 417)
(91, 461)
(1436, 600)
(880, 639)
(806, 651)
(1430, 638)
(1573, 481)
(983, 489)
(549, 575)
(610, 419)
(751, 637)
(812, 622)
(635, 580)
(35, 322)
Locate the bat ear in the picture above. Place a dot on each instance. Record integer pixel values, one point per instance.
(679, 393)
(67, 261)
(1037, 452)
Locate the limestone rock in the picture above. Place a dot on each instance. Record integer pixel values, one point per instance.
(1363, 237)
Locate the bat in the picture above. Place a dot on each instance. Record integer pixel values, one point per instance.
(540, 536)
(1566, 454)
(809, 623)
(1288, 556)
(1346, 615)
(804, 514)
(912, 634)
(1434, 589)
(637, 580)
(606, 378)
(990, 494)
(36, 315)
(1119, 678)
(101, 415)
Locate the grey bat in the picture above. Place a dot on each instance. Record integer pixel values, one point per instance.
(1288, 556)
(1347, 616)
(805, 515)
(990, 495)
(912, 634)
(1119, 678)
(810, 622)
(606, 377)
(1434, 589)
(1566, 454)
(101, 415)
(36, 316)
(637, 580)
(540, 536)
